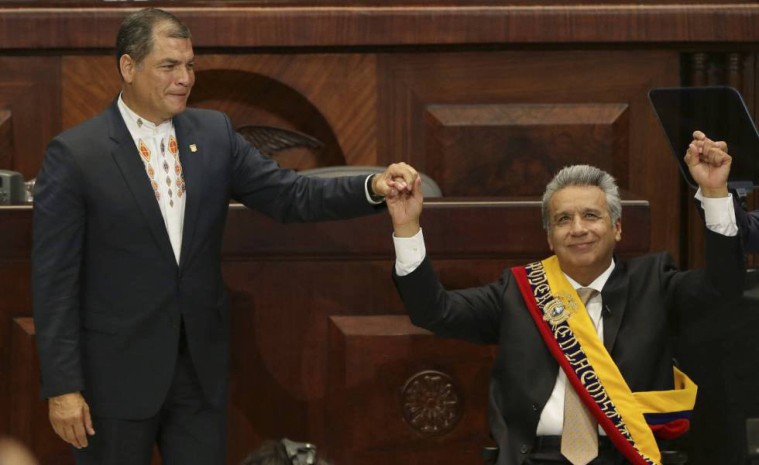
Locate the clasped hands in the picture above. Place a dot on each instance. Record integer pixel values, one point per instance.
(402, 187)
(397, 179)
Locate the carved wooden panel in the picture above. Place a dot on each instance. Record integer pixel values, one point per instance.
(398, 394)
(515, 149)
(15, 288)
(6, 139)
(89, 83)
(413, 87)
(331, 97)
(279, 310)
(29, 88)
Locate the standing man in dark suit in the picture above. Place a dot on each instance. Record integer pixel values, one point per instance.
(570, 385)
(129, 303)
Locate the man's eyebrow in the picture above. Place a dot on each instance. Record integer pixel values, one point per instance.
(584, 210)
(174, 61)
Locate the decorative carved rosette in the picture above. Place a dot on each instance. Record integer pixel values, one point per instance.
(431, 403)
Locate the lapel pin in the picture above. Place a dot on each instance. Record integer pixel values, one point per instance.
(193, 148)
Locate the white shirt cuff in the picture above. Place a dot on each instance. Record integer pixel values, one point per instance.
(366, 192)
(409, 253)
(719, 214)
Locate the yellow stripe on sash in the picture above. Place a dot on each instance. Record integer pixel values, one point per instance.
(627, 404)
(681, 399)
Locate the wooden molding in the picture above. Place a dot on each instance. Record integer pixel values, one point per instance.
(312, 24)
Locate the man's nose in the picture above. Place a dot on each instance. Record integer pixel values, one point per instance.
(577, 226)
(184, 76)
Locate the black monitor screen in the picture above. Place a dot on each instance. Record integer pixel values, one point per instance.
(721, 114)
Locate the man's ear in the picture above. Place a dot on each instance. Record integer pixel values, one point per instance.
(618, 230)
(127, 67)
(550, 242)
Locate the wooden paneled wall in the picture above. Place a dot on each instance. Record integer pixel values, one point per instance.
(489, 99)
(373, 82)
(472, 120)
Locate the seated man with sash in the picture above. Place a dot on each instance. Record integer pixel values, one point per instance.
(581, 379)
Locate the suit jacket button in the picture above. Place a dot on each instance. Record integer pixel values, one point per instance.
(524, 449)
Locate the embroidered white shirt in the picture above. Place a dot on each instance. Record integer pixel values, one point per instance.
(158, 149)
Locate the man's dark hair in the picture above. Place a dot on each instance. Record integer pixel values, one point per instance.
(135, 37)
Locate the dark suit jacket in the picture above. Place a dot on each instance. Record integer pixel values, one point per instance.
(108, 293)
(748, 223)
(643, 301)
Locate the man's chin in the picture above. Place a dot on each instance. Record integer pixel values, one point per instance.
(578, 261)
(177, 109)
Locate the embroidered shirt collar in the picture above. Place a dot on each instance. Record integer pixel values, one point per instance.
(141, 127)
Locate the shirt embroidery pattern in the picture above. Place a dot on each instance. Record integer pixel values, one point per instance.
(145, 155)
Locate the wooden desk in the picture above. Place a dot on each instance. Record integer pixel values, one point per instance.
(317, 327)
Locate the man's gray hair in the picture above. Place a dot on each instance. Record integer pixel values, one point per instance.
(135, 37)
(583, 175)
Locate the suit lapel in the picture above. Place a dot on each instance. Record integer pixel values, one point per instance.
(190, 154)
(614, 296)
(125, 154)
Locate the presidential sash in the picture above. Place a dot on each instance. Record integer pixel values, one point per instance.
(571, 337)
